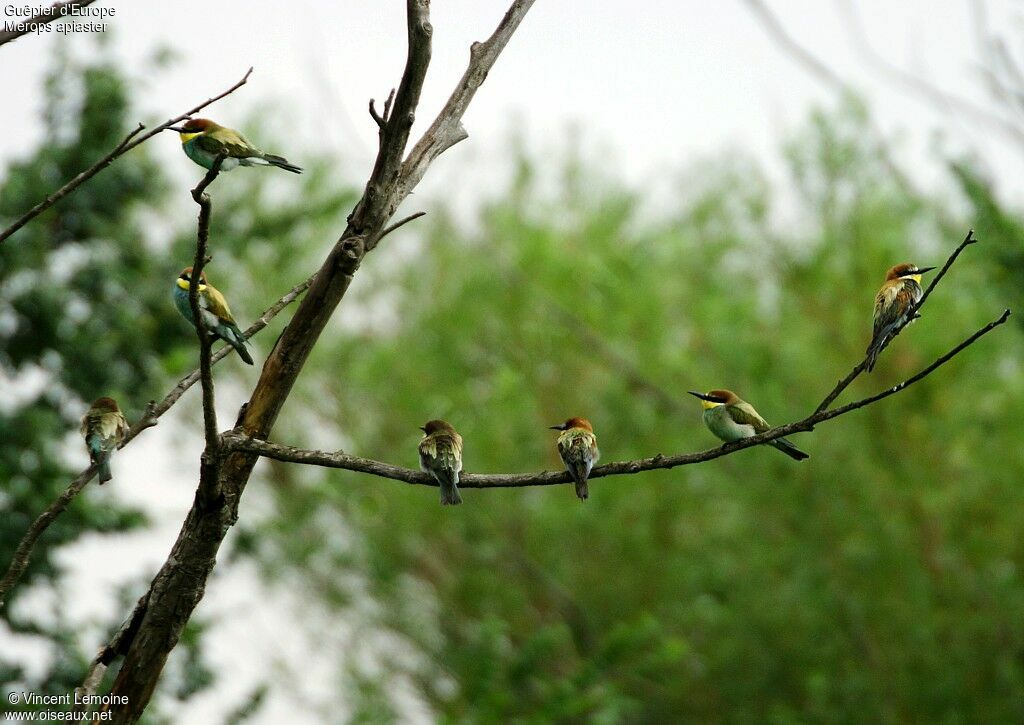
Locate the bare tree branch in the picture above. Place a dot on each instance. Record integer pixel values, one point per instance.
(859, 367)
(55, 12)
(288, 454)
(180, 583)
(117, 646)
(122, 148)
(447, 129)
(398, 224)
(19, 562)
(209, 490)
(205, 343)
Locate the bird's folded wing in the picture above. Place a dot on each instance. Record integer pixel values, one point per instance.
(212, 300)
(227, 142)
(744, 414)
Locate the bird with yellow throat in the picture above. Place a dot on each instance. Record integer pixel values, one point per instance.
(214, 309)
(897, 298)
(732, 419)
(203, 141)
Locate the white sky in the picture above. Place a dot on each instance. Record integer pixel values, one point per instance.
(656, 82)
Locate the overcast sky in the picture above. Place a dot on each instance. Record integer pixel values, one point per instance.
(657, 82)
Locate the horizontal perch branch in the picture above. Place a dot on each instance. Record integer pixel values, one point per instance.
(288, 454)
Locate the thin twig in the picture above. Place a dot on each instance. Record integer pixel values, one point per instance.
(382, 120)
(934, 95)
(122, 148)
(911, 316)
(400, 223)
(288, 454)
(209, 462)
(55, 12)
(19, 562)
(205, 343)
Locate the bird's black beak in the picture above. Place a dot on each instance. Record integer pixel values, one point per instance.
(423, 428)
(922, 270)
(558, 427)
(177, 129)
(702, 396)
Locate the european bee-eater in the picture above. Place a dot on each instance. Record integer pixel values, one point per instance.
(103, 427)
(577, 445)
(441, 457)
(732, 419)
(216, 313)
(900, 292)
(203, 141)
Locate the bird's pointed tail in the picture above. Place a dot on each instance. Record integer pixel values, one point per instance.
(579, 477)
(789, 449)
(282, 163)
(243, 351)
(450, 490)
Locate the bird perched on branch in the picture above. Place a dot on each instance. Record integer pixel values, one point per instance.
(441, 457)
(214, 309)
(103, 427)
(577, 445)
(898, 296)
(732, 419)
(203, 141)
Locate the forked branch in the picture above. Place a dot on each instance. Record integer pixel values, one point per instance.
(913, 315)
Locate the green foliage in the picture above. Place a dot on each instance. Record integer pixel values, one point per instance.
(878, 581)
(75, 322)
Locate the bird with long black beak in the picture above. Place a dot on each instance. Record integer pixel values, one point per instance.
(203, 141)
(441, 457)
(899, 294)
(577, 445)
(733, 419)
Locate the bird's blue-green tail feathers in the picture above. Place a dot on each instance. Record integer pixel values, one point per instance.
(789, 449)
(233, 336)
(100, 457)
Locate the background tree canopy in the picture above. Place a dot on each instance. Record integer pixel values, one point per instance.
(880, 580)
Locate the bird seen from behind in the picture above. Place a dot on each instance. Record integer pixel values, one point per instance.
(441, 457)
(103, 427)
(577, 445)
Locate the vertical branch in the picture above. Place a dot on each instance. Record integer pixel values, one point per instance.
(181, 581)
(205, 343)
(209, 490)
